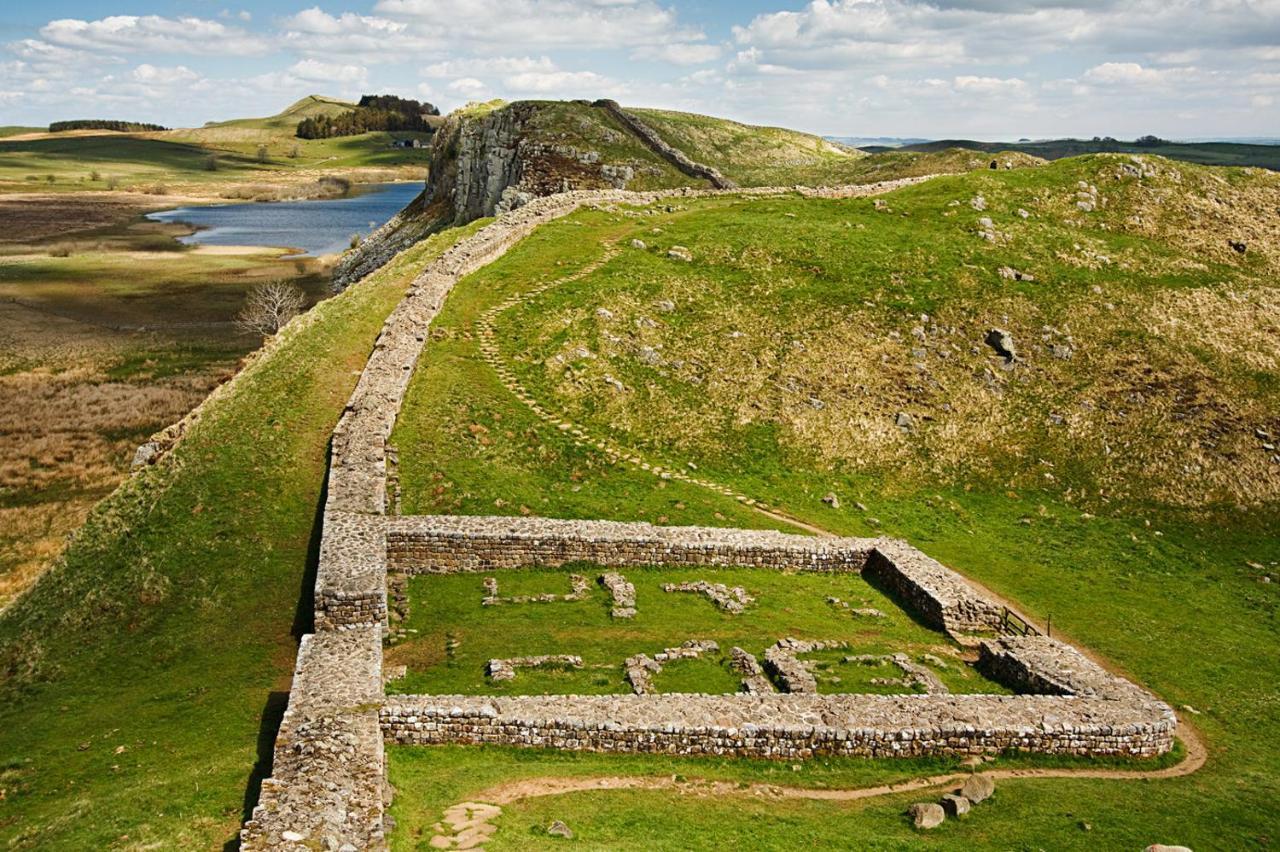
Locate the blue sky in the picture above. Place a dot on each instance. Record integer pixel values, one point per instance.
(976, 68)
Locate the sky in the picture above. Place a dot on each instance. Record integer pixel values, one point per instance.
(985, 69)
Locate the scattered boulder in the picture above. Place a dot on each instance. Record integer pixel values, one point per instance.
(145, 454)
(978, 788)
(1002, 342)
(639, 244)
(831, 500)
(666, 306)
(559, 829)
(956, 805)
(1008, 272)
(680, 253)
(904, 421)
(604, 313)
(978, 202)
(927, 815)
(1160, 847)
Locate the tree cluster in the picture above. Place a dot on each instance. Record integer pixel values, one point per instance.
(374, 113)
(103, 124)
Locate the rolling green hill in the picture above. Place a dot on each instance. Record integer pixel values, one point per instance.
(1114, 476)
(1205, 153)
(204, 160)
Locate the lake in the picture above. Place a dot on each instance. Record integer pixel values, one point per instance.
(322, 226)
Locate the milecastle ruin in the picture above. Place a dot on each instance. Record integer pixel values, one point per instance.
(328, 787)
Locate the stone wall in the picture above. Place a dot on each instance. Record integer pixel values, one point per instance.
(445, 544)
(788, 727)
(326, 784)
(939, 595)
(658, 145)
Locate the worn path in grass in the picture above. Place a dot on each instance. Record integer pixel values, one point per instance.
(484, 807)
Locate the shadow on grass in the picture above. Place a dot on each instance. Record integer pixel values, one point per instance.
(277, 700)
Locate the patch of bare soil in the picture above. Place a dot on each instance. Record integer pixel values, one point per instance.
(33, 218)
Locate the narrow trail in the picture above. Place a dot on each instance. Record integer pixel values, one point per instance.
(613, 451)
(507, 793)
(472, 821)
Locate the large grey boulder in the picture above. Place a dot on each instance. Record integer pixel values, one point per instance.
(927, 815)
(956, 805)
(1002, 342)
(978, 788)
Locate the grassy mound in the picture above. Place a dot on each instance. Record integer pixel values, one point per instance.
(753, 156)
(777, 361)
(143, 675)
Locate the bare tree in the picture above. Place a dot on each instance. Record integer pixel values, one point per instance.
(269, 307)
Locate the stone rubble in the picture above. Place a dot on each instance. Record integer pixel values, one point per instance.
(754, 681)
(580, 585)
(914, 676)
(732, 600)
(641, 668)
(623, 593)
(506, 669)
(794, 674)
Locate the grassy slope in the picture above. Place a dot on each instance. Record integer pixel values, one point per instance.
(1168, 593)
(181, 156)
(139, 673)
(753, 156)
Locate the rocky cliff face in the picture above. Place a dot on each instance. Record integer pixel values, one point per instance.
(487, 161)
(475, 161)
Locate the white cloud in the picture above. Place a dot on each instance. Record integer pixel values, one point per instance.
(314, 71)
(990, 85)
(577, 24)
(468, 87)
(547, 82)
(134, 34)
(1128, 73)
(687, 53)
(152, 75)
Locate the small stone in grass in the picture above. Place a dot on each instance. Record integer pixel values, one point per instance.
(559, 829)
(927, 815)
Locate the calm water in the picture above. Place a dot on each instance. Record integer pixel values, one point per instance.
(312, 227)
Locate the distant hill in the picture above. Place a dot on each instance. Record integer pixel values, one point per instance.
(264, 130)
(1205, 153)
(878, 141)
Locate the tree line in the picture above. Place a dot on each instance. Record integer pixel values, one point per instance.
(373, 113)
(103, 124)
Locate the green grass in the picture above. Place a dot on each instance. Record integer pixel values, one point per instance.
(1160, 574)
(143, 676)
(447, 610)
(754, 156)
(1021, 815)
(152, 290)
(180, 159)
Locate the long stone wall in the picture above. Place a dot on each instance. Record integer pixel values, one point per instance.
(455, 544)
(327, 773)
(659, 146)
